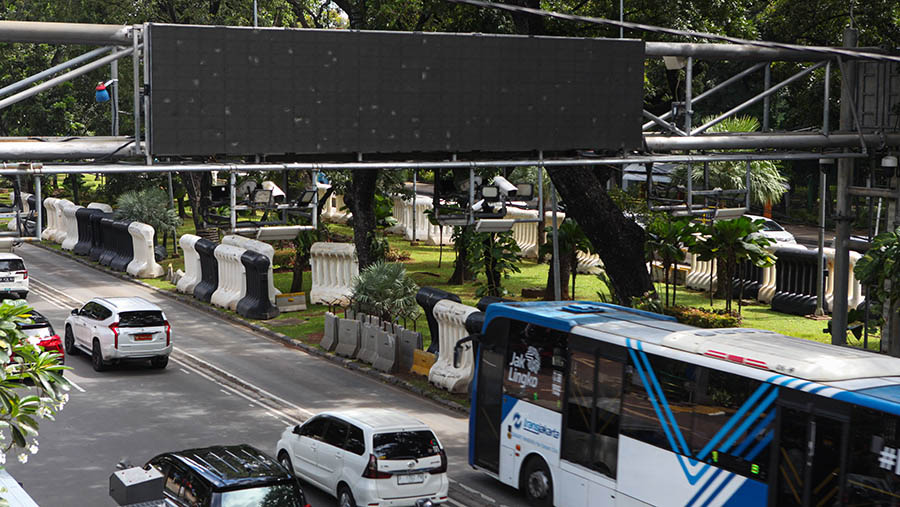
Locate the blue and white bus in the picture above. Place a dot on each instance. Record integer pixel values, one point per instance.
(586, 404)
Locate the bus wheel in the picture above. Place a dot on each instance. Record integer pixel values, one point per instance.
(537, 483)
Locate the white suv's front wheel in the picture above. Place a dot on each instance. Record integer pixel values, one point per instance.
(69, 342)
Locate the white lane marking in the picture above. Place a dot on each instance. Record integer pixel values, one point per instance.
(252, 386)
(474, 491)
(274, 412)
(48, 298)
(73, 384)
(50, 288)
(226, 392)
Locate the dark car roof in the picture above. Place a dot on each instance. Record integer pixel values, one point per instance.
(38, 320)
(231, 466)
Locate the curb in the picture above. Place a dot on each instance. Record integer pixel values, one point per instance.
(349, 364)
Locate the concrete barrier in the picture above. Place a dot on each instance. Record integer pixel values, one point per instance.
(854, 295)
(144, 264)
(451, 318)
(123, 246)
(385, 351)
(422, 362)
(330, 338)
(367, 344)
(700, 275)
(795, 283)
(97, 246)
(85, 231)
(106, 208)
(209, 270)
(332, 212)
(261, 248)
(588, 263)
(106, 239)
(334, 266)
(23, 213)
(256, 304)
(408, 342)
(348, 338)
(192, 271)
(232, 277)
(49, 230)
(417, 207)
(60, 230)
(525, 233)
(69, 211)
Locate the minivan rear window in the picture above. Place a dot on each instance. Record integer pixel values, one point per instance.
(141, 319)
(405, 445)
(12, 265)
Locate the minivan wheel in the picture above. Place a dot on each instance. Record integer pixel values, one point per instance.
(537, 483)
(345, 497)
(71, 349)
(97, 357)
(285, 461)
(159, 362)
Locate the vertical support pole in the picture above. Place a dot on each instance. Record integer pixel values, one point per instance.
(557, 287)
(826, 105)
(842, 229)
(114, 99)
(17, 204)
(648, 166)
(706, 181)
(136, 59)
(255, 15)
(621, 18)
(171, 190)
(767, 83)
(541, 224)
(232, 199)
(747, 186)
(38, 225)
(287, 193)
(147, 139)
(415, 198)
(820, 273)
(688, 94)
(315, 212)
(690, 188)
(471, 195)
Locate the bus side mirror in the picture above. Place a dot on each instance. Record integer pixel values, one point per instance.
(458, 349)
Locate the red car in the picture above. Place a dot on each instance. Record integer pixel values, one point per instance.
(40, 332)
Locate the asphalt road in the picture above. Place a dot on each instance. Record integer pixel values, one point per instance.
(134, 412)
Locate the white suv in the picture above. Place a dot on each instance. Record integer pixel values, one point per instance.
(117, 329)
(13, 276)
(367, 457)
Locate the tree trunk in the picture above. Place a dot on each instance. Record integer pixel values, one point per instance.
(197, 185)
(362, 205)
(300, 262)
(614, 236)
(722, 284)
(564, 272)
(491, 275)
(461, 271)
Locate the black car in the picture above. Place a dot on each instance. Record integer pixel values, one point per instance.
(226, 476)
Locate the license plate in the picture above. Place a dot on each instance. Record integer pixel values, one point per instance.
(410, 479)
(6, 278)
(142, 337)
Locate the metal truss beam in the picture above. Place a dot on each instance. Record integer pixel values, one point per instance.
(64, 33)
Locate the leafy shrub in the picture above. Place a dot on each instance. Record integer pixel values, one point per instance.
(149, 206)
(283, 258)
(385, 289)
(702, 317)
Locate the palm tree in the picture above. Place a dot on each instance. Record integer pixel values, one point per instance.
(731, 242)
(570, 239)
(665, 239)
(767, 185)
(386, 290)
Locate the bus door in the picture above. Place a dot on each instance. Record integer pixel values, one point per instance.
(489, 397)
(810, 451)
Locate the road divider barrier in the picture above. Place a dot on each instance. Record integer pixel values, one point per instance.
(98, 246)
(49, 231)
(106, 208)
(409, 342)
(143, 264)
(123, 247)
(747, 280)
(209, 270)
(192, 271)
(422, 362)
(367, 346)
(451, 318)
(525, 233)
(27, 200)
(588, 263)
(332, 211)
(59, 234)
(259, 247)
(427, 297)
(348, 338)
(107, 240)
(232, 284)
(385, 349)
(334, 266)
(69, 210)
(256, 303)
(330, 336)
(85, 231)
(795, 281)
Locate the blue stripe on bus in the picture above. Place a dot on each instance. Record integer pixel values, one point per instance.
(773, 378)
(817, 389)
(473, 408)
(719, 489)
(734, 420)
(702, 489)
(749, 420)
(751, 437)
(664, 402)
(761, 445)
(653, 402)
(801, 385)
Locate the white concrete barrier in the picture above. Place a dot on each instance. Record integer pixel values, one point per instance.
(334, 265)
(399, 214)
(232, 277)
(144, 264)
(26, 209)
(71, 224)
(854, 292)
(259, 247)
(106, 208)
(588, 263)
(700, 275)
(418, 207)
(526, 234)
(332, 211)
(767, 287)
(451, 318)
(192, 271)
(49, 231)
(60, 230)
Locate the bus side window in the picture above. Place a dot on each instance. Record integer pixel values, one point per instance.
(675, 381)
(535, 365)
(872, 471)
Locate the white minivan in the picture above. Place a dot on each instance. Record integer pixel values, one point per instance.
(13, 276)
(367, 457)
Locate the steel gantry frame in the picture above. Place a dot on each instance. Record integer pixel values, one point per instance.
(122, 41)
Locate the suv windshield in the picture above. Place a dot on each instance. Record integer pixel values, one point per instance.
(141, 319)
(12, 265)
(287, 494)
(405, 445)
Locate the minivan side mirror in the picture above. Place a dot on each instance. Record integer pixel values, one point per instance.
(74, 311)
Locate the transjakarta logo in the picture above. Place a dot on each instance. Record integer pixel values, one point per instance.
(534, 427)
(530, 360)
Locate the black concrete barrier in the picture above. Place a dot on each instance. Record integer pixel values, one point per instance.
(795, 281)
(427, 297)
(256, 304)
(124, 245)
(83, 217)
(107, 240)
(748, 277)
(209, 270)
(97, 248)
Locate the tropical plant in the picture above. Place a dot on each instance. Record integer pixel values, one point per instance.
(767, 185)
(880, 272)
(32, 386)
(570, 239)
(731, 242)
(386, 290)
(496, 255)
(665, 240)
(150, 206)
